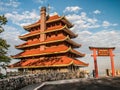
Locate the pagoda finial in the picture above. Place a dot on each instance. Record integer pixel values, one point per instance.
(48, 9)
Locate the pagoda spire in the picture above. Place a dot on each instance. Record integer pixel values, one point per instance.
(48, 10)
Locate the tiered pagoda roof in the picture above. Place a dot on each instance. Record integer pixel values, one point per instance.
(50, 19)
(54, 62)
(53, 29)
(63, 50)
(50, 51)
(51, 40)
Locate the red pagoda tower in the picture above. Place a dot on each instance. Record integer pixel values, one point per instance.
(48, 46)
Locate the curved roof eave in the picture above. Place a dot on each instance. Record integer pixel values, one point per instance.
(60, 52)
(41, 54)
(63, 18)
(65, 28)
(65, 39)
(61, 65)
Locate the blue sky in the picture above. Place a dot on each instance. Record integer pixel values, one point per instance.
(97, 23)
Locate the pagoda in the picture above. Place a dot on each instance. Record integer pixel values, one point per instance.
(48, 46)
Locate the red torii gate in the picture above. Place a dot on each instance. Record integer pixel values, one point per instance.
(103, 51)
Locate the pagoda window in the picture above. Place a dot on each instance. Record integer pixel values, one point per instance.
(68, 54)
(49, 34)
(57, 23)
(31, 29)
(62, 24)
(53, 24)
(57, 44)
(46, 36)
(34, 47)
(56, 33)
(64, 34)
(36, 28)
(71, 55)
(47, 46)
(48, 25)
(67, 44)
(29, 40)
(26, 49)
(39, 27)
(60, 34)
(37, 36)
(32, 38)
(53, 35)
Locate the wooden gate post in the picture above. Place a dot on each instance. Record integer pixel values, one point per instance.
(95, 63)
(112, 62)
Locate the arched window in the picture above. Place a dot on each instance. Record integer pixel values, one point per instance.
(56, 33)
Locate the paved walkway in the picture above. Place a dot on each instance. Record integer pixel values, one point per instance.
(86, 84)
(78, 84)
(31, 87)
(58, 82)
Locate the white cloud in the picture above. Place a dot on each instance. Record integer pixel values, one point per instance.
(97, 12)
(107, 24)
(12, 3)
(104, 38)
(72, 9)
(82, 21)
(24, 18)
(40, 1)
(9, 4)
(107, 38)
(115, 24)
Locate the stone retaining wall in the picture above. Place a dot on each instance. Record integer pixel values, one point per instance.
(17, 82)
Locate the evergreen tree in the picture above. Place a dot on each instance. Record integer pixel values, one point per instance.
(3, 44)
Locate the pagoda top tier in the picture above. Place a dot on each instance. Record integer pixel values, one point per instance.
(48, 19)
